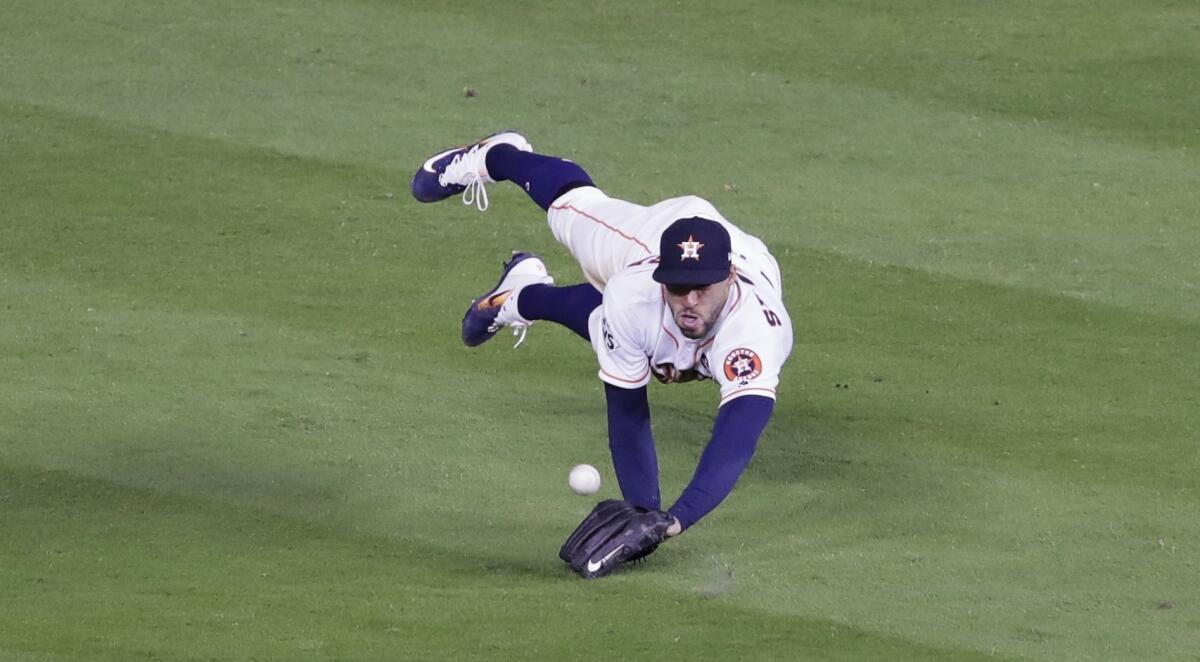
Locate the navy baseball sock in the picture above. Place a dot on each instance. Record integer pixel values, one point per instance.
(543, 178)
(569, 306)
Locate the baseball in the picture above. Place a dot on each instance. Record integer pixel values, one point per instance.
(584, 479)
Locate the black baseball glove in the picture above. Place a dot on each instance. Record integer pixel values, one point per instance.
(613, 533)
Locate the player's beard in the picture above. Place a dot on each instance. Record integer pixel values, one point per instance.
(696, 312)
(694, 326)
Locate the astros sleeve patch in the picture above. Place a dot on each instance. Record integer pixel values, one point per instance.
(742, 366)
(744, 371)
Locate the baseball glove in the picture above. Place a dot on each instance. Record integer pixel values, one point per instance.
(615, 532)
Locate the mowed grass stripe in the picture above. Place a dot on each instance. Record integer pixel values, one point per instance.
(116, 205)
(894, 151)
(104, 571)
(195, 240)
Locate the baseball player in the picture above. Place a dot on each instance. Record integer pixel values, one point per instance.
(675, 292)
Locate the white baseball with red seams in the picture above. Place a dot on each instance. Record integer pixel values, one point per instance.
(584, 479)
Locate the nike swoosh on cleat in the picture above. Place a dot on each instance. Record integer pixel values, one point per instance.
(593, 566)
(495, 300)
(428, 165)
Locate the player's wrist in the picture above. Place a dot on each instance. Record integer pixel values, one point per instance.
(675, 528)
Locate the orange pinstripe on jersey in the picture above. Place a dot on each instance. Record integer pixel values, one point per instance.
(605, 225)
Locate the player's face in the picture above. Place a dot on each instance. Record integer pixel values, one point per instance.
(696, 308)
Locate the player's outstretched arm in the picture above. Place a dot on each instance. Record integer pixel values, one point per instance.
(632, 445)
(736, 430)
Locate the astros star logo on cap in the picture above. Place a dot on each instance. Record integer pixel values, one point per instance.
(691, 248)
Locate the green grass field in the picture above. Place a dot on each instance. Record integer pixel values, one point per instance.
(237, 422)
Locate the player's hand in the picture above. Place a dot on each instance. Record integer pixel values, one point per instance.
(615, 532)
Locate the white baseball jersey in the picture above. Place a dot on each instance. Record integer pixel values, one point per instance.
(633, 332)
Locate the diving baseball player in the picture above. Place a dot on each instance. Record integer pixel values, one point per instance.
(675, 292)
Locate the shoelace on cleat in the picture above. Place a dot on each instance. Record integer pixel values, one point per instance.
(475, 192)
(518, 328)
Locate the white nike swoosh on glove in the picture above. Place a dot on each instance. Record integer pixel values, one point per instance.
(593, 566)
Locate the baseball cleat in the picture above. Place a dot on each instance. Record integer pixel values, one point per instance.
(498, 307)
(462, 170)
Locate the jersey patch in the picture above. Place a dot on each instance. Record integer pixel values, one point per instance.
(742, 365)
(610, 341)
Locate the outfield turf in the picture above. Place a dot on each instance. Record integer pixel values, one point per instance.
(237, 422)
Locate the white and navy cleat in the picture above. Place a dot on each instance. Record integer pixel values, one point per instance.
(498, 307)
(462, 170)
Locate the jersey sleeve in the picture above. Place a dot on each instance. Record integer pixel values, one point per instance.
(750, 363)
(620, 345)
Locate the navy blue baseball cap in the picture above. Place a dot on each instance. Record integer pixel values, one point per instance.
(693, 251)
